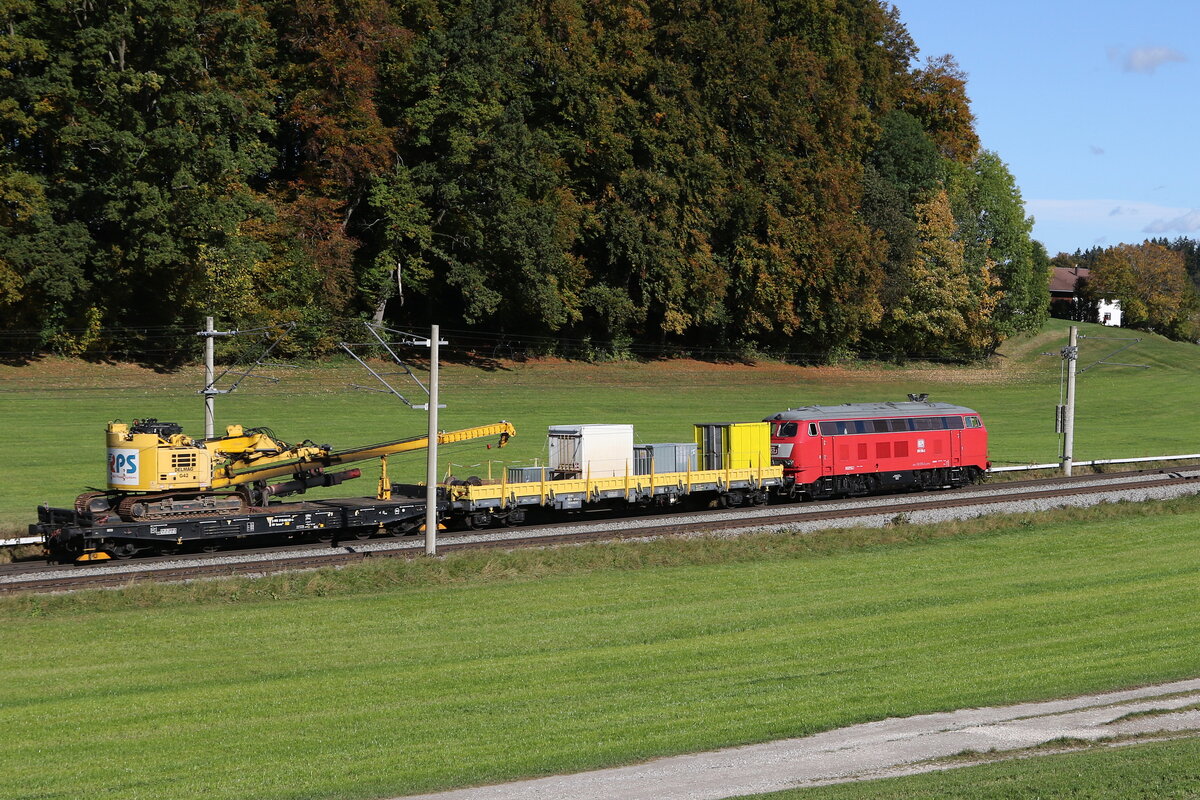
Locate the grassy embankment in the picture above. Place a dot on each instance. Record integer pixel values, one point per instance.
(54, 412)
(394, 678)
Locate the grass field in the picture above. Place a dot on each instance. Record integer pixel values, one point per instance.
(392, 678)
(54, 411)
(1141, 772)
(396, 678)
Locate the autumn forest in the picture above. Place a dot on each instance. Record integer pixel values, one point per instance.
(770, 176)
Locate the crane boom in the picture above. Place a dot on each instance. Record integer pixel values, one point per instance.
(230, 476)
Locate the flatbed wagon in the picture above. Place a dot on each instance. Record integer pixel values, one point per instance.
(477, 506)
(68, 534)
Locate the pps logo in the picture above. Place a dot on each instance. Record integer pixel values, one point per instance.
(123, 466)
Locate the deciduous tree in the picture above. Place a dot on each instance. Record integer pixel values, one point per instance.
(938, 97)
(1152, 285)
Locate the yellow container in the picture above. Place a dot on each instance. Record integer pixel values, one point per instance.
(734, 445)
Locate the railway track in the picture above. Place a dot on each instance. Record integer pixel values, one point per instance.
(875, 511)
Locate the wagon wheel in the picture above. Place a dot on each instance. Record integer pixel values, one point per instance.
(403, 528)
(122, 551)
(513, 518)
(477, 522)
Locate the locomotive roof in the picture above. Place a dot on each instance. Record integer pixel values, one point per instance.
(867, 410)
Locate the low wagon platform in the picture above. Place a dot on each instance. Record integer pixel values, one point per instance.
(500, 501)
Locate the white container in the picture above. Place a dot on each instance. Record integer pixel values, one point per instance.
(596, 451)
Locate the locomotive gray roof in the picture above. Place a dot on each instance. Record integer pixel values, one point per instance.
(861, 410)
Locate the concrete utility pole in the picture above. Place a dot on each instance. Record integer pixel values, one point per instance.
(209, 372)
(431, 468)
(1071, 354)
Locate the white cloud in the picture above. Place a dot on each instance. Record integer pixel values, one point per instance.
(1064, 225)
(1184, 223)
(1145, 60)
(1098, 210)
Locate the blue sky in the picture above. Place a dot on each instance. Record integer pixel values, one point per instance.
(1091, 104)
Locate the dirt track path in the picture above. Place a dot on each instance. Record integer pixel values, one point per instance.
(872, 750)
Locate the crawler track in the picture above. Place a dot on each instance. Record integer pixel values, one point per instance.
(977, 501)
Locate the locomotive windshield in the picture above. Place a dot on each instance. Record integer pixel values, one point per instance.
(785, 430)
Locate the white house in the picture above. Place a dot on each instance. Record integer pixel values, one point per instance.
(1066, 300)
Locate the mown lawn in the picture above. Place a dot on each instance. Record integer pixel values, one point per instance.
(55, 411)
(515, 666)
(1156, 771)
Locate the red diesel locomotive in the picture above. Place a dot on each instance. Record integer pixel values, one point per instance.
(865, 448)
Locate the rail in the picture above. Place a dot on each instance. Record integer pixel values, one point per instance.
(818, 515)
(23, 540)
(1095, 462)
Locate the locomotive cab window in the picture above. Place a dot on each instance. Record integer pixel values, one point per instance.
(973, 422)
(786, 430)
(812, 429)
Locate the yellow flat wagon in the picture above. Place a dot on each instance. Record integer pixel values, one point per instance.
(742, 474)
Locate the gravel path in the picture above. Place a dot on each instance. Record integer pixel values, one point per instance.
(887, 748)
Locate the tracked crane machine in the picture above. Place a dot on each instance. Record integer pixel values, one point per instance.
(155, 471)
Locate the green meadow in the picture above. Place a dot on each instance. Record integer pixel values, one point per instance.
(393, 678)
(390, 678)
(55, 411)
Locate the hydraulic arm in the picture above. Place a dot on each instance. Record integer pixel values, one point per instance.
(233, 475)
